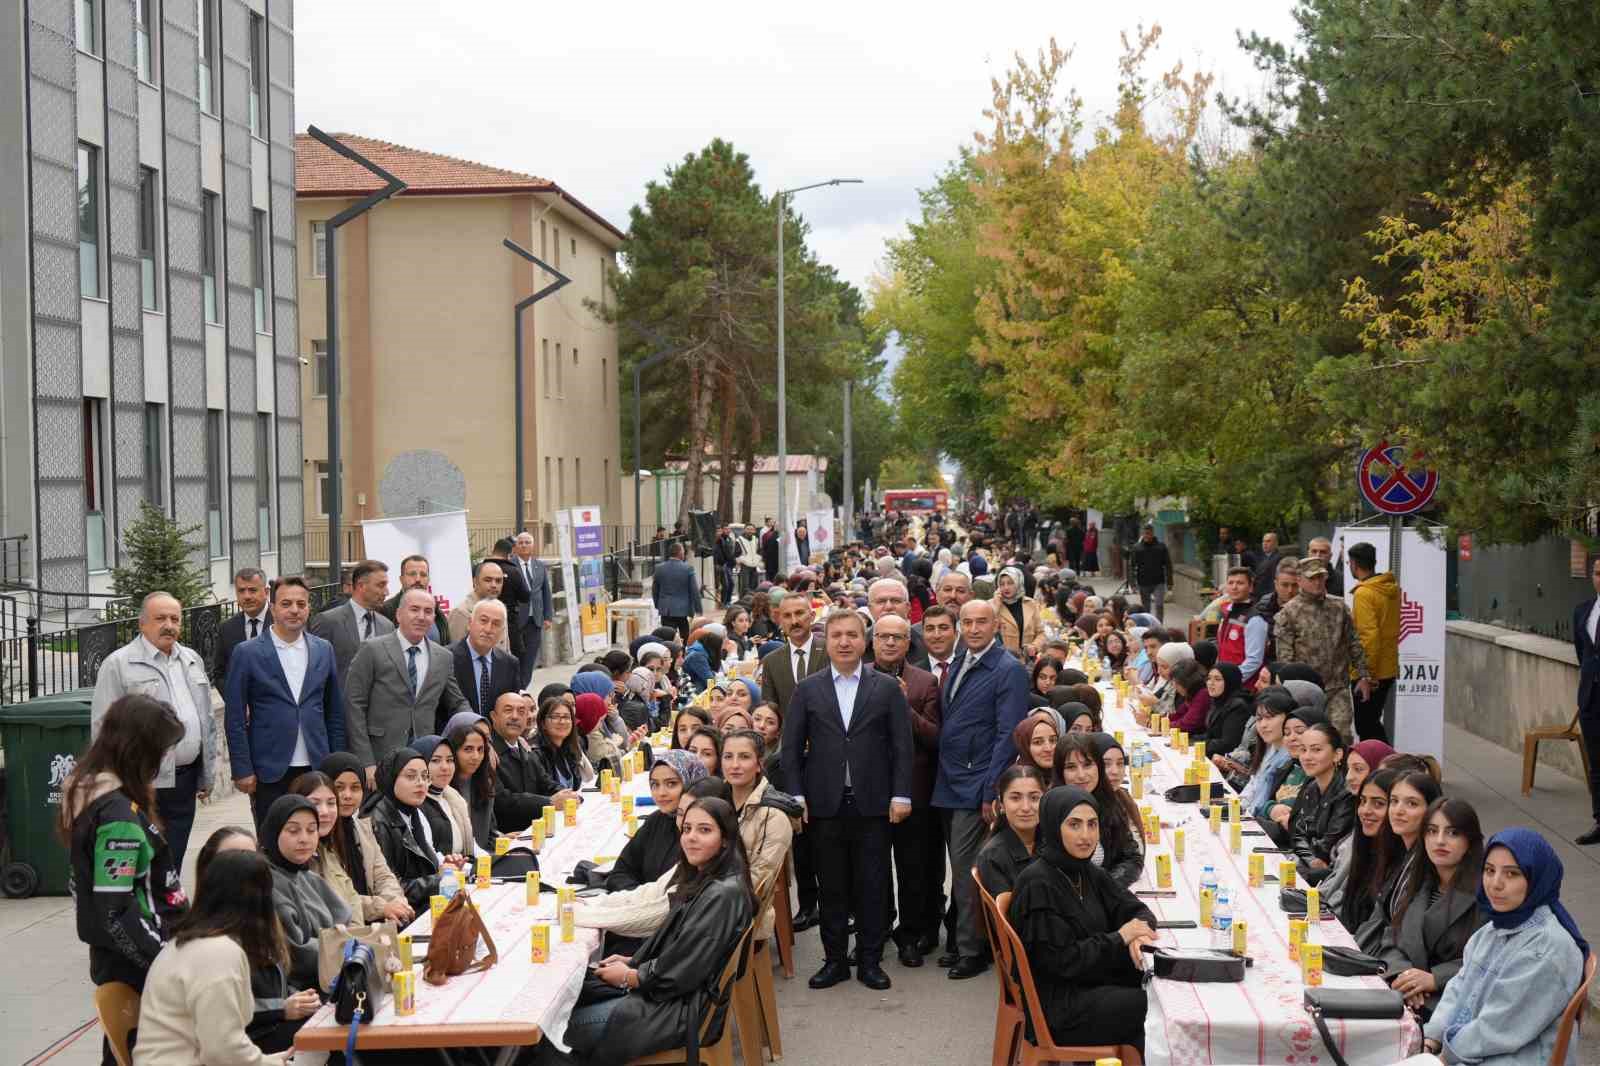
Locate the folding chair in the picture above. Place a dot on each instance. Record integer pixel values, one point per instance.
(784, 926)
(1573, 1015)
(1008, 1013)
(1530, 748)
(755, 1002)
(719, 1053)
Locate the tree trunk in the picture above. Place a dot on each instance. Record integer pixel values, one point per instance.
(692, 495)
(752, 432)
(728, 414)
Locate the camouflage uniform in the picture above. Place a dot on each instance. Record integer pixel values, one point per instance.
(1322, 634)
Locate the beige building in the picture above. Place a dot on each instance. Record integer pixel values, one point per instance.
(426, 348)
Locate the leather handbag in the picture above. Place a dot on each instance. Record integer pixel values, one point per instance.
(1198, 966)
(1191, 794)
(359, 986)
(453, 947)
(1382, 1004)
(1348, 962)
(379, 936)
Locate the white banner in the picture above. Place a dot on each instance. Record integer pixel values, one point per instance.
(820, 523)
(1419, 689)
(569, 573)
(441, 537)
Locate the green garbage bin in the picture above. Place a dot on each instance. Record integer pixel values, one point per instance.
(43, 739)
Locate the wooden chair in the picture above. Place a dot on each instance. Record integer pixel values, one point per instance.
(117, 1004)
(1571, 1017)
(755, 1002)
(1530, 748)
(721, 1052)
(1008, 1013)
(784, 926)
(1042, 1049)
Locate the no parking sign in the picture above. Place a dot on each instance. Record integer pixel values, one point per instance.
(1389, 486)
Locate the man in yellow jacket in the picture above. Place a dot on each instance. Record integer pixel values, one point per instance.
(1376, 610)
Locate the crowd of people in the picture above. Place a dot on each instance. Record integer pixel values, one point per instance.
(875, 723)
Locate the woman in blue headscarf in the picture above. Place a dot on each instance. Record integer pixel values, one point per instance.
(1520, 970)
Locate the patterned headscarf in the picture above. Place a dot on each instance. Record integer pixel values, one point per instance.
(688, 767)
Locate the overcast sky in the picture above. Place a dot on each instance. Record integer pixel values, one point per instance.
(601, 97)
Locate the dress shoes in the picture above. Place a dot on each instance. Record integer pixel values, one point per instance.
(833, 972)
(910, 956)
(806, 919)
(872, 975)
(949, 959)
(968, 966)
(927, 942)
(1591, 837)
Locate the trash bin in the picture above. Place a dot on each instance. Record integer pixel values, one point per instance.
(43, 739)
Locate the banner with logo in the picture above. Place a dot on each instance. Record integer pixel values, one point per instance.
(1419, 688)
(820, 523)
(588, 538)
(569, 582)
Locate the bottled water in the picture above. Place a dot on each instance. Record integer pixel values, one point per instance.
(1208, 879)
(449, 885)
(1222, 922)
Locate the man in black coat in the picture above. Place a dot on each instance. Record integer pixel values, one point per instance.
(1266, 565)
(514, 594)
(248, 622)
(769, 550)
(483, 671)
(1151, 572)
(522, 787)
(847, 750)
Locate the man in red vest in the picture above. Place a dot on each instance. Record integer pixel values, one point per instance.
(1242, 633)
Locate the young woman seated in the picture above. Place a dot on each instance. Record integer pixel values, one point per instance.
(1438, 911)
(1360, 762)
(1080, 718)
(599, 748)
(734, 721)
(1375, 852)
(1410, 796)
(1192, 703)
(689, 719)
(1270, 754)
(1119, 850)
(1113, 760)
(1519, 971)
(1045, 672)
(474, 781)
(1324, 811)
(1230, 708)
(1161, 697)
(657, 994)
(653, 848)
(449, 819)
(394, 813)
(555, 745)
(1013, 842)
(705, 744)
(198, 1003)
(1081, 930)
(1286, 785)
(306, 903)
(769, 723)
(342, 855)
(767, 832)
(1035, 740)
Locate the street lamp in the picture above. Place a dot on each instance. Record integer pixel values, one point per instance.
(516, 328)
(783, 416)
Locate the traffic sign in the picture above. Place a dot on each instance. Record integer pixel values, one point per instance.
(1389, 486)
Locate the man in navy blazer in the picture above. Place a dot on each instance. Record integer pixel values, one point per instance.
(1586, 642)
(984, 696)
(847, 750)
(285, 711)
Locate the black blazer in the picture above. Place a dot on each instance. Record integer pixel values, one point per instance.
(877, 746)
(229, 635)
(502, 675)
(1432, 938)
(514, 593)
(1588, 654)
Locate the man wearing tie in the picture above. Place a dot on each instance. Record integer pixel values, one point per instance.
(351, 624)
(414, 575)
(483, 671)
(1586, 642)
(537, 614)
(247, 623)
(847, 747)
(800, 656)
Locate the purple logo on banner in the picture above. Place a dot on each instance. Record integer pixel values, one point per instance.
(587, 535)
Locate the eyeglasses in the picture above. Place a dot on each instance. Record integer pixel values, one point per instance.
(558, 717)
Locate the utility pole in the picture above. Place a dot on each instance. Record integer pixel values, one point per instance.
(849, 464)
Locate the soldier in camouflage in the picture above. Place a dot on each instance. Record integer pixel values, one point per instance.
(1317, 629)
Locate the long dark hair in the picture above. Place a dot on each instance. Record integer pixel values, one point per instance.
(1371, 858)
(233, 898)
(132, 740)
(483, 777)
(1013, 773)
(689, 880)
(1118, 812)
(1280, 701)
(213, 847)
(308, 783)
(569, 747)
(1425, 876)
(693, 712)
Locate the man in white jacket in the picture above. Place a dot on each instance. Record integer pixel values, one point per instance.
(749, 560)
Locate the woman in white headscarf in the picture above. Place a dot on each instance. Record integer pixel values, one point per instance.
(942, 565)
(1021, 628)
(1159, 698)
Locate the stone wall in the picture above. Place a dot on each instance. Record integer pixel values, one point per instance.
(1499, 683)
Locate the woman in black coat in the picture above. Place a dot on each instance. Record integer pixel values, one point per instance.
(1231, 709)
(1015, 840)
(1324, 812)
(653, 848)
(394, 813)
(1082, 932)
(655, 1000)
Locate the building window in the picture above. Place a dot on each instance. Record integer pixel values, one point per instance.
(574, 242)
(144, 55)
(149, 200)
(209, 255)
(561, 479)
(214, 481)
(94, 464)
(319, 249)
(324, 489)
(264, 481)
(319, 367)
(560, 388)
(258, 75)
(258, 266)
(546, 346)
(89, 200)
(206, 20)
(89, 26)
(543, 254)
(154, 479)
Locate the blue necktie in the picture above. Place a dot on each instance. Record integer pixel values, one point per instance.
(411, 669)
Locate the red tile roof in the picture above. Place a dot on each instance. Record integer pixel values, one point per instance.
(321, 172)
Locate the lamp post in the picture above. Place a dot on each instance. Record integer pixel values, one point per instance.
(331, 226)
(784, 533)
(849, 473)
(516, 329)
(638, 369)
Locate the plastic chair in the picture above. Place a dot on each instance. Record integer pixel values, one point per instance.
(117, 1004)
(1008, 1012)
(721, 1052)
(1573, 1015)
(1530, 748)
(755, 1003)
(784, 926)
(1042, 1048)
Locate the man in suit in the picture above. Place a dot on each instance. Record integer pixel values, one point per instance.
(488, 580)
(349, 625)
(400, 686)
(523, 788)
(919, 839)
(725, 556)
(1586, 642)
(483, 670)
(801, 655)
(984, 697)
(247, 623)
(888, 596)
(535, 612)
(414, 575)
(847, 747)
(155, 663)
(513, 593)
(675, 591)
(285, 710)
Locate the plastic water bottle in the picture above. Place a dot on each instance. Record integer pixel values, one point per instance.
(1208, 879)
(449, 884)
(1222, 922)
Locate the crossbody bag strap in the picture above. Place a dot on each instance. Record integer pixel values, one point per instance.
(1327, 1039)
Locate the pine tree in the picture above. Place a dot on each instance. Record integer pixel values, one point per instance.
(160, 554)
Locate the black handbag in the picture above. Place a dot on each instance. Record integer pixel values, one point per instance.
(1191, 794)
(1348, 962)
(1198, 966)
(360, 986)
(1375, 1003)
(782, 801)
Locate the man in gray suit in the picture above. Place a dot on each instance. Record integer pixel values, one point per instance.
(537, 612)
(675, 590)
(400, 685)
(352, 624)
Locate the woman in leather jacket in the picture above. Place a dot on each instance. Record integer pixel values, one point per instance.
(1324, 811)
(393, 811)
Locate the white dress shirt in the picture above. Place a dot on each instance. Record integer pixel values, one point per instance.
(295, 659)
(804, 651)
(1594, 619)
(187, 750)
(422, 657)
(361, 620)
(260, 620)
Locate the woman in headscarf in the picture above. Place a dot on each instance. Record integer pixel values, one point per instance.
(394, 811)
(743, 695)
(1161, 697)
(598, 748)
(1021, 629)
(702, 658)
(306, 904)
(1120, 853)
(653, 848)
(1519, 971)
(1035, 739)
(349, 858)
(945, 562)
(598, 684)
(1082, 932)
(1080, 717)
(1113, 762)
(449, 820)
(1230, 708)
(474, 781)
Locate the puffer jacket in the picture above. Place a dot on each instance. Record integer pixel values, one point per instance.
(1375, 607)
(1318, 821)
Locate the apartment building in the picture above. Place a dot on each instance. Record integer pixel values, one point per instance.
(148, 336)
(426, 345)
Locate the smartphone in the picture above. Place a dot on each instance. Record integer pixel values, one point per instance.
(1252, 832)
(1271, 851)
(1177, 923)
